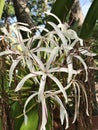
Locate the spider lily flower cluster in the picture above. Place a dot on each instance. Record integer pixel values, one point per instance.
(53, 54)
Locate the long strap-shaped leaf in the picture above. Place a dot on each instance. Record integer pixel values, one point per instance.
(1, 7)
(90, 21)
(61, 9)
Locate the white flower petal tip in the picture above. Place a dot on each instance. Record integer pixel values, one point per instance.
(81, 42)
(25, 119)
(16, 90)
(87, 113)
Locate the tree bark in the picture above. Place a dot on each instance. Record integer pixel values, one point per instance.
(22, 12)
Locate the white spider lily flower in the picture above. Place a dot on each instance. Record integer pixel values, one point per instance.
(23, 54)
(57, 44)
(47, 70)
(42, 83)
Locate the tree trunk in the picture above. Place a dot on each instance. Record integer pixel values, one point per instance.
(22, 12)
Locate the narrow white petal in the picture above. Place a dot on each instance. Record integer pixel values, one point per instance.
(20, 23)
(59, 69)
(7, 52)
(71, 34)
(86, 98)
(25, 119)
(62, 69)
(56, 69)
(44, 114)
(81, 41)
(45, 49)
(76, 104)
(74, 42)
(54, 17)
(52, 57)
(21, 83)
(58, 83)
(63, 112)
(41, 87)
(12, 68)
(29, 63)
(84, 64)
(70, 68)
(39, 62)
(4, 30)
(23, 28)
(59, 33)
(26, 103)
(42, 28)
(32, 39)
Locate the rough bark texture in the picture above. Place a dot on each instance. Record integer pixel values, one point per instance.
(22, 12)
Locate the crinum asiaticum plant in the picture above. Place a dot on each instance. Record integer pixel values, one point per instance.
(53, 54)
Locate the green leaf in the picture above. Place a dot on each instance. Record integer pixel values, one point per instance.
(61, 9)
(16, 111)
(32, 123)
(2, 2)
(90, 21)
